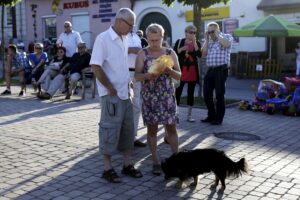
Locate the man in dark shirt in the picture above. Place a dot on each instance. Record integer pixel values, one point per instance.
(144, 42)
(78, 62)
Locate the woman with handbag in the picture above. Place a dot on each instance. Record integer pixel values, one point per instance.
(188, 49)
(57, 63)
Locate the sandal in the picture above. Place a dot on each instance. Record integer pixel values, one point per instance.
(156, 170)
(111, 176)
(131, 171)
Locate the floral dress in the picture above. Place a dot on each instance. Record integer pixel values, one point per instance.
(158, 96)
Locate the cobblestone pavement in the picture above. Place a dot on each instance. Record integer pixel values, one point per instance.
(49, 150)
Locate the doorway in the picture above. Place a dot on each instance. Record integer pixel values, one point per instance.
(81, 24)
(156, 17)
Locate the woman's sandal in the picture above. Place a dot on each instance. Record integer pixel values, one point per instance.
(131, 171)
(156, 170)
(111, 176)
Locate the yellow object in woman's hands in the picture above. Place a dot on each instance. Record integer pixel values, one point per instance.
(160, 64)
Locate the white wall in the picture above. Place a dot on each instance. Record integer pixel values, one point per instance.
(178, 23)
(244, 11)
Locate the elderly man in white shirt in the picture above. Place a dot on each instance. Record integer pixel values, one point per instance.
(134, 46)
(69, 39)
(109, 64)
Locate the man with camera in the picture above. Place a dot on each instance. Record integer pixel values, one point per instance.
(217, 49)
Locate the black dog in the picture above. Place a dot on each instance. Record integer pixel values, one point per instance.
(191, 163)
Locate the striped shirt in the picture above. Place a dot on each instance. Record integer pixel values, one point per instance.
(216, 54)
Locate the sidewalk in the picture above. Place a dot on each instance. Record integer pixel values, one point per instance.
(49, 150)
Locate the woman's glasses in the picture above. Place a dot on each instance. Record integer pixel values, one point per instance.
(192, 32)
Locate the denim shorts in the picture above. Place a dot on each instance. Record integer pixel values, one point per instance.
(116, 125)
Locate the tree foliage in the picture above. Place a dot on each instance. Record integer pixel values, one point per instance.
(9, 2)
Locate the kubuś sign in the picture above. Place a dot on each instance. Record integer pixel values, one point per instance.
(78, 4)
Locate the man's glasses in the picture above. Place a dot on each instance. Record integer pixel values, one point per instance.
(126, 22)
(211, 32)
(66, 26)
(61, 52)
(80, 47)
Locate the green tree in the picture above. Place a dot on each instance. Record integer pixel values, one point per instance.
(3, 4)
(198, 5)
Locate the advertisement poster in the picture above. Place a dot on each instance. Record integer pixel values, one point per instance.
(229, 26)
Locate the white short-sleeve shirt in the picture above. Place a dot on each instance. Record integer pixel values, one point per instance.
(133, 41)
(70, 41)
(110, 52)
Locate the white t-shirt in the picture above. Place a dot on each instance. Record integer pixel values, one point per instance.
(133, 41)
(110, 52)
(70, 41)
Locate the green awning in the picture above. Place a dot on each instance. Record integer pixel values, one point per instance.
(278, 4)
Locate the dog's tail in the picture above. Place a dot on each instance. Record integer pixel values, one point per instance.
(238, 168)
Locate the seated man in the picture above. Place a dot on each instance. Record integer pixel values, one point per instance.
(16, 64)
(81, 61)
(78, 61)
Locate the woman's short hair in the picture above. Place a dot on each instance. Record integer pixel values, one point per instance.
(62, 48)
(190, 27)
(38, 45)
(155, 28)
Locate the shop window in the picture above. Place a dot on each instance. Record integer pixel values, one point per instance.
(49, 24)
(8, 16)
(291, 43)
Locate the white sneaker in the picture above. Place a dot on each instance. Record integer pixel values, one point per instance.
(190, 119)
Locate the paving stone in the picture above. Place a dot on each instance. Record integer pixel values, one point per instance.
(63, 164)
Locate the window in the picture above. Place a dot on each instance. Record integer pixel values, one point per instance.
(8, 16)
(49, 26)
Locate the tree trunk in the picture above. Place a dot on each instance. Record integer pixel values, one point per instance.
(197, 23)
(3, 41)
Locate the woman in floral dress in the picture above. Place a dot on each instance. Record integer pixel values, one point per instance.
(158, 93)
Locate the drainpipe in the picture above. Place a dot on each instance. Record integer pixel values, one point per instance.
(14, 22)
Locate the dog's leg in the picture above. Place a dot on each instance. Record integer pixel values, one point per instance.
(222, 179)
(182, 184)
(216, 182)
(194, 184)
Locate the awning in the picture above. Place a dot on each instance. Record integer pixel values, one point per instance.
(278, 4)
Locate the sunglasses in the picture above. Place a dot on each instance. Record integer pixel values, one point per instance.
(192, 32)
(67, 26)
(126, 22)
(211, 32)
(80, 47)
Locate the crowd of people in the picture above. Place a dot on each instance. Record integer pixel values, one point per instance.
(63, 71)
(120, 61)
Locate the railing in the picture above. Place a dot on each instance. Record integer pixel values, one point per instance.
(257, 68)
